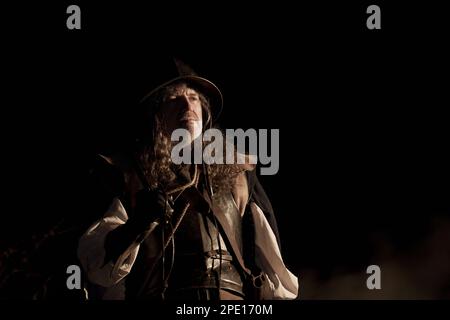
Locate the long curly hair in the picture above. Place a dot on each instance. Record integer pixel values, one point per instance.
(155, 146)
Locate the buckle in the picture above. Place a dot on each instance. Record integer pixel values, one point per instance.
(258, 281)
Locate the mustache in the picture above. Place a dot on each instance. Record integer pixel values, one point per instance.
(188, 115)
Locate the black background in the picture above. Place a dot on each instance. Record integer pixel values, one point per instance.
(364, 175)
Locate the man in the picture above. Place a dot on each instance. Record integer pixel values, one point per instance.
(188, 231)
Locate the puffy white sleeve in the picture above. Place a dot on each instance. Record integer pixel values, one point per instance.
(91, 250)
(281, 283)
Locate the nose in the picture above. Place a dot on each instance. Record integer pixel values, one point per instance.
(185, 103)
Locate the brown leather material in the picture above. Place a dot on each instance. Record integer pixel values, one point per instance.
(221, 217)
(227, 295)
(240, 192)
(197, 271)
(198, 243)
(231, 213)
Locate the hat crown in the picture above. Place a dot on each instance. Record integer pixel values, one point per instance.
(183, 69)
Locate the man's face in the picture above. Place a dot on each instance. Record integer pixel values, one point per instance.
(182, 109)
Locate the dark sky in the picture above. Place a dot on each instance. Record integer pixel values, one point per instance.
(362, 118)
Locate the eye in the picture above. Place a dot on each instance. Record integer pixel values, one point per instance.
(194, 98)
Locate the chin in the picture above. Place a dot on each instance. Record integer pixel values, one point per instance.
(194, 130)
(195, 134)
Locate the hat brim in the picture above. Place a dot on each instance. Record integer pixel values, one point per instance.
(206, 87)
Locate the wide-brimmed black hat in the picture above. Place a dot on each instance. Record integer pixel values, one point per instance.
(177, 71)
